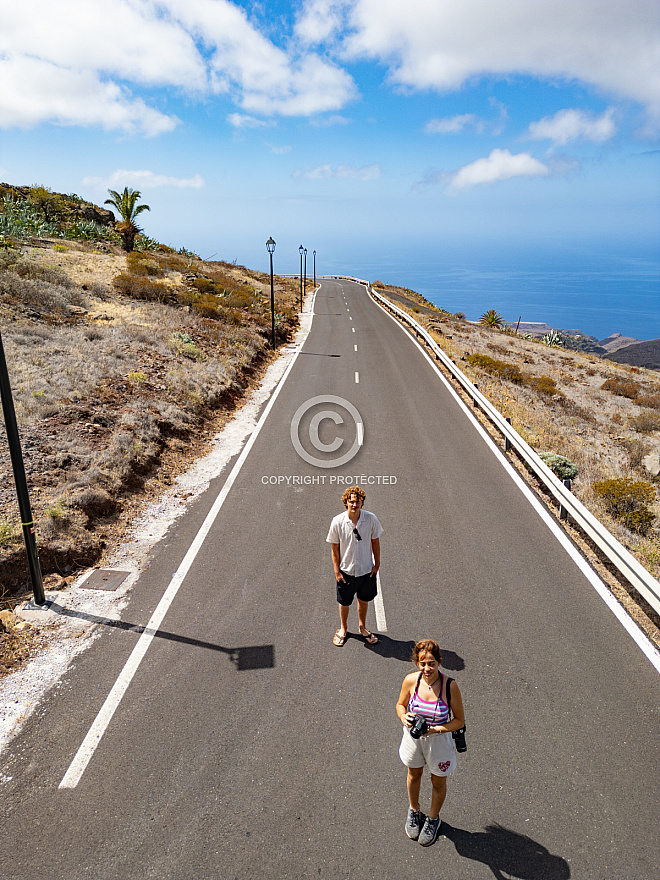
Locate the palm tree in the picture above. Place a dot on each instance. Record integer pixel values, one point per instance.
(125, 203)
(491, 318)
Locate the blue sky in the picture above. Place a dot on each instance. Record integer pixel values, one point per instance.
(364, 129)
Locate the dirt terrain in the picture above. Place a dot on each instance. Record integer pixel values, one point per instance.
(121, 369)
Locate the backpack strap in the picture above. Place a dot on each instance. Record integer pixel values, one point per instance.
(448, 700)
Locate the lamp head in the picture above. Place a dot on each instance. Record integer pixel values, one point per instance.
(270, 246)
(300, 250)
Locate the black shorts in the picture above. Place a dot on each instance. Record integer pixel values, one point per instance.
(365, 587)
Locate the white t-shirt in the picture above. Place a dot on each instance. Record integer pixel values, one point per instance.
(356, 557)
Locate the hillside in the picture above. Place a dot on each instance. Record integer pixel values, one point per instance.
(616, 341)
(602, 417)
(641, 354)
(121, 368)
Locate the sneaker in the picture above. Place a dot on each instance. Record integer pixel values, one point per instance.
(414, 823)
(429, 832)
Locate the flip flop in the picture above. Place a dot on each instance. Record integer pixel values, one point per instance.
(338, 640)
(369, 638)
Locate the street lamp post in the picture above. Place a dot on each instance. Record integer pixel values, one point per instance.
(301, 250)
(305, 283)
(270, 247)
(21, 483)
(314, 268)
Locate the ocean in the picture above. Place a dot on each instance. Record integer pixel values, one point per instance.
(598, 294)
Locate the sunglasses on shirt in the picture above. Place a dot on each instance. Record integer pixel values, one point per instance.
(356, 533)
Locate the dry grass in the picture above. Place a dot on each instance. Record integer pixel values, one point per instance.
(113, 362)
(589, 410)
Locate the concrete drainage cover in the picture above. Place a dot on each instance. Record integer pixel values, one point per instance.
(104, 579)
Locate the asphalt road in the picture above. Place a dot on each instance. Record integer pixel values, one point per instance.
(248, 746)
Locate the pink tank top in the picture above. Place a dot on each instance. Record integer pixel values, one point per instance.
(434, 712)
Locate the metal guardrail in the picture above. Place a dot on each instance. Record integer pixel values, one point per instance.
(635, 573)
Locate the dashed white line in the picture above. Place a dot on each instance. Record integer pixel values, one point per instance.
(357, 378)
(355, 347)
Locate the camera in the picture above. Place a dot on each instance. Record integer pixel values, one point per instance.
(459, 739)
(419, 727)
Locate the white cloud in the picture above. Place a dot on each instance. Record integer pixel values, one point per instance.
(500, 165)
(453, 124)
(79, 62)
(320, 20)
(144, 180)
(326, 172)
(240, 120)
(329, 121)
(571, 125)
(280, 150)
(34, 91)
(609, 44)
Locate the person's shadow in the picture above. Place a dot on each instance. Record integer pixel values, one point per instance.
(400, 649)
(507, 853)
(391, 649)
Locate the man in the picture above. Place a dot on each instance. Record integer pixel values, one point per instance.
(355, 540)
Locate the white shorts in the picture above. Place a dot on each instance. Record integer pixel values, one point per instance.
(436, 751)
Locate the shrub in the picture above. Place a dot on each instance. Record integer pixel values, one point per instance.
(141, 287)
(205, 304)
(624, 388)
(238, 299)
(651, 401)
(507, 371)
(140, 264)
(205, 285)
(626, 500)
(645, 423)
(543, 384)
(559, 465)
(185, 345)
(41, 272)
(6, 533)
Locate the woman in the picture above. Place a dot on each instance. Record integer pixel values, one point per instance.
(424, 695)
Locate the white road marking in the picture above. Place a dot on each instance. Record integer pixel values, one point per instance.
(353, 329)
(639, 637)
(360, 433)
(355, 347)
(379, 608)
(357, 378)
(95, 734)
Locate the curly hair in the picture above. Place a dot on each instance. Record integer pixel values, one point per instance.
(353, 490)
(426, 646)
